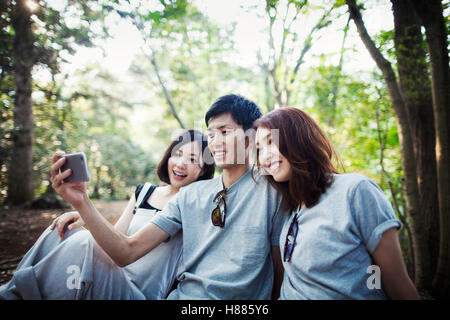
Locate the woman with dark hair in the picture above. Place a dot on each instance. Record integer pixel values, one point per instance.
(67, 263)
(340, 241)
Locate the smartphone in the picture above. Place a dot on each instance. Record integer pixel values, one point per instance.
(77, 162)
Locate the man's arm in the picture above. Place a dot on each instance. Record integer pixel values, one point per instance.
(278, 272)
(121, 248)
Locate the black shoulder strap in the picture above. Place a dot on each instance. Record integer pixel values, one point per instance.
(148, 194)
(148, 189)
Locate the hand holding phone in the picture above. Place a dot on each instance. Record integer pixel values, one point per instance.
(78, 164)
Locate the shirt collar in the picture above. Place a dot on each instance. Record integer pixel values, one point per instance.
(236, 184)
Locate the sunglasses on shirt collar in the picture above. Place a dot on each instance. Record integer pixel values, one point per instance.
(219, 212)
(290, 239)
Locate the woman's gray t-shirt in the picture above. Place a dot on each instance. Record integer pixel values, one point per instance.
(335, 238)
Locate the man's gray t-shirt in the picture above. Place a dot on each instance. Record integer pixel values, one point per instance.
(233, 262)
(335, 238)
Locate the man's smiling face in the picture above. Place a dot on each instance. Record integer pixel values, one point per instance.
(226, 140)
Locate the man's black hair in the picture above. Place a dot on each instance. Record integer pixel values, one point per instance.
(242, 110)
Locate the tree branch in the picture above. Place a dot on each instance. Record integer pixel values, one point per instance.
(308, 44)
(166, 93)
(140, 26)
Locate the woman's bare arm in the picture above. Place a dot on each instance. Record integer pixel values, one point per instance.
(123, 223)
(394, 276)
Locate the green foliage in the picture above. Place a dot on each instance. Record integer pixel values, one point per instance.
(355, 130)
(6, 41)
(105, 117)
(6, 125)
(93, 121)
(322, 81)
(339, 3)
(61, 121)
(6, 93)
(193, 57)
(124, 127)
(356, 133)
(385, 43)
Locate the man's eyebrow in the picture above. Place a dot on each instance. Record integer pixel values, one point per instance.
(220, 127)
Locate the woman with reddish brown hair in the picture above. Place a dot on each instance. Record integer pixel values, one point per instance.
(340, 241)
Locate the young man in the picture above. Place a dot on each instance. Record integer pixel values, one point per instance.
(231, 224)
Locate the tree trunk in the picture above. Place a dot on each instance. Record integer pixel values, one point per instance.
(20, 173)
(431, 14)
(419, 239)
(415, 84)
(96, 192)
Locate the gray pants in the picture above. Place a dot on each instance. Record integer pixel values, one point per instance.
(73, 268)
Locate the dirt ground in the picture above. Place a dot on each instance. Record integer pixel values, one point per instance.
(20, 228)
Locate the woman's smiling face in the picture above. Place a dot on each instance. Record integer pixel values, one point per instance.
(270, 157)
(185, 164)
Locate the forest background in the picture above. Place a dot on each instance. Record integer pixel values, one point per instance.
(117, 79)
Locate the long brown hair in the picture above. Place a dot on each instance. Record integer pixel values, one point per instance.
(309, 151)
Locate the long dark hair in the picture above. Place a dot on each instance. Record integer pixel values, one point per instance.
(309, 151)
(183, 138)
